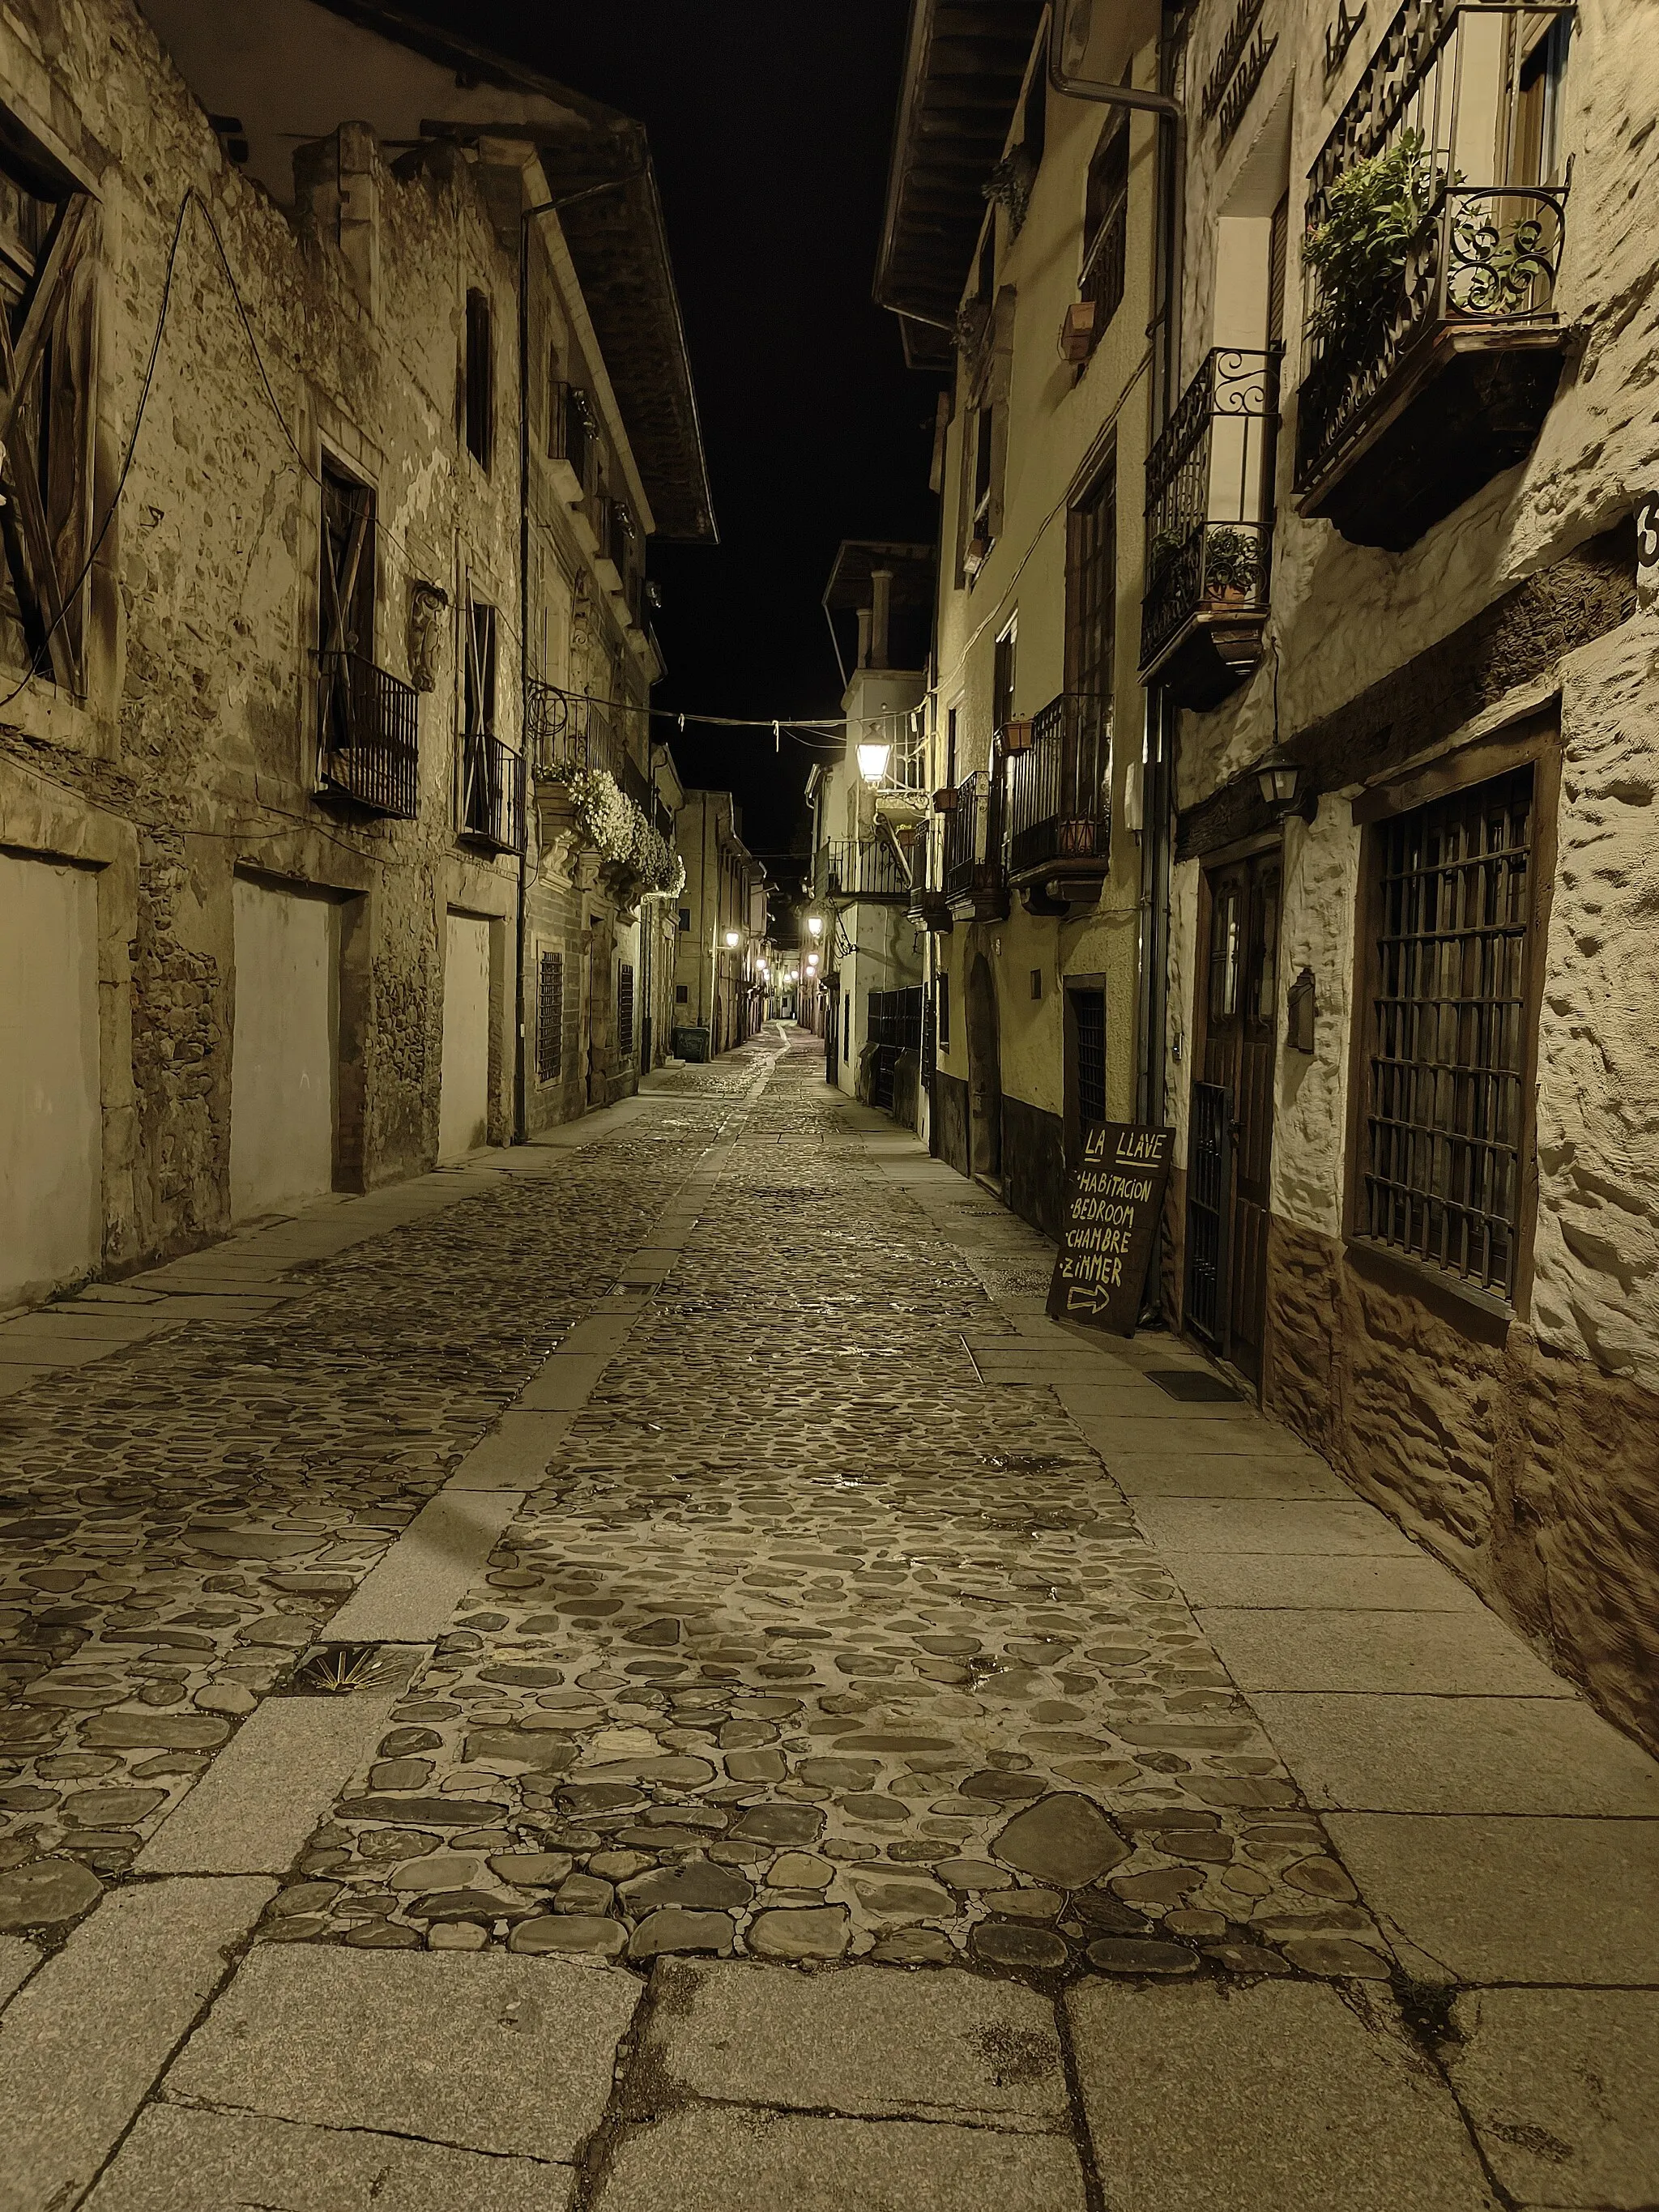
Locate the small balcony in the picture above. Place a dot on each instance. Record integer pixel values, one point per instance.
(866, 871)
(490, 810)
(1058, 814)
(976, 878)
(1432, 369)
(1209, 529)
(563, 731)
(930, 909)
(367, 723)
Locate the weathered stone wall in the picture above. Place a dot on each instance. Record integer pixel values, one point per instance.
(1532, 1472)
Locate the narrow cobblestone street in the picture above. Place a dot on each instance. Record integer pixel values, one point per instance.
(850, 1739)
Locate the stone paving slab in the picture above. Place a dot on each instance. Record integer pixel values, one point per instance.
(563, 1385)
(1562, 2086)
(1442, 1655)
(939, 2046)
(18, 1960)
(1282, 2095)
(515, 1455)
(82, 2044)
(1335, 1531)
(1420, 1754)
(1214, 1475)
(753, 2161)
(1514, 1899)
(409, 1596)
(491, 2053)
(1304, 1582)
(179, 2160)
(252, 1810)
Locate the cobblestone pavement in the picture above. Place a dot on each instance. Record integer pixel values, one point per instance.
(815, 1644)
(771, 1760)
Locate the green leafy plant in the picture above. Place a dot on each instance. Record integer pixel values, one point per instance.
(1373, 213)
(1231, 560)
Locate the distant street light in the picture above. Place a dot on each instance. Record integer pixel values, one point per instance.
(815, 925)
(734, 937)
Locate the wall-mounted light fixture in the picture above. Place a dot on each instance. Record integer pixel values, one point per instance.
(815, 925)
(872, 761)
(734, 937)
(1283, 783)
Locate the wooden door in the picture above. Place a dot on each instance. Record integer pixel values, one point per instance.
(1232, 1112)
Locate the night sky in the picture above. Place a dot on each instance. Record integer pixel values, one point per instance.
(770, 128)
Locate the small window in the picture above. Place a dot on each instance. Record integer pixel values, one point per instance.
(681, 995)
(480, 379)
(1036, 982)
(685, 917)
(984, 456)
(1446, 1104)
(625, 1011)
(1089, 1014)
(1105, 227)
(549, 1018)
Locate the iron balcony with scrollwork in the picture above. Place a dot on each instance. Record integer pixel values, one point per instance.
(1421, 384)
(366, 722)
(1209, 528)
(1057, 815)
(866, 870)
(566, 730)
(975, 877)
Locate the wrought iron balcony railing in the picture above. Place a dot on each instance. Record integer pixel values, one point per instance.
(563, 730)
(973, 837)
(1059, 807)
(491, 799)
(1460, 96)
(1209, 499)
(860, 868)
(366, 722)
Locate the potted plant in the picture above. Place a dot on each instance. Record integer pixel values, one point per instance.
(1231, 565)
(1374, 212)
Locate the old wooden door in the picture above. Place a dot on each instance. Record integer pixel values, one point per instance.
(1231, 1128)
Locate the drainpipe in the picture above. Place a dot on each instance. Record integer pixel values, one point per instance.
(1153, 1010)
(527, 215)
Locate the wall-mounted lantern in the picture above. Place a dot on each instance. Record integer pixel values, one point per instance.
(872, 761)
(1283, 782)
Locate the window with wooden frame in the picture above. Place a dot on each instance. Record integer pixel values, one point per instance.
(479, 378)
(549, 1018)
(1443, 1127)
(1105, 228)
(49, 232)
(1091, 587)
(570, 429)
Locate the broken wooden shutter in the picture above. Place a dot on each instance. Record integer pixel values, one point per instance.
(47, 349)
(345, 601)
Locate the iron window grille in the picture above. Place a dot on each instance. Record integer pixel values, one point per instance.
(1445, 1110)
(1089, 1013)
(491, 797)
(549, 1018)
(1209, 497)
(1106, 229)
(1059, 804)
(1474, 84)
(973, 835)
(367, 718)
(625, 1011)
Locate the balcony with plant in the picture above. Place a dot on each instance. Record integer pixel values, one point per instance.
(1057, 817)
(1209, 528)
(1437, 212)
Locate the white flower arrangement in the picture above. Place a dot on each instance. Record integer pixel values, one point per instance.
(607, 820)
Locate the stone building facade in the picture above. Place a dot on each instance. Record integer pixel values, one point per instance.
(1032, 295)
(1374, 932)
(721, 930)
(267, 897)
(1410, 1065)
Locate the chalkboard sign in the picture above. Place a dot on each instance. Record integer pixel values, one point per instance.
(1111, 1217)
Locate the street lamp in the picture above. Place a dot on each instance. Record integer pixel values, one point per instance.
(815, 925)
(872, 761)
(734, 937)
(1278, 778)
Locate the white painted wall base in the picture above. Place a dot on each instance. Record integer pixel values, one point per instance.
(283, 1055)
(464, 1101)
(50, 1124)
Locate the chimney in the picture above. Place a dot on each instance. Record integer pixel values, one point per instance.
(881, 589)
(864, 637)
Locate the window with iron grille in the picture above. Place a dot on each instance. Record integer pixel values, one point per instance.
(1089, 1013)
(550, 1016)
(1105, 226)
(625, 1011)
(480, 378)
(1444, 1118)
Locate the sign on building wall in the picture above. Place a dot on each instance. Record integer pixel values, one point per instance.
(1112, 1214)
